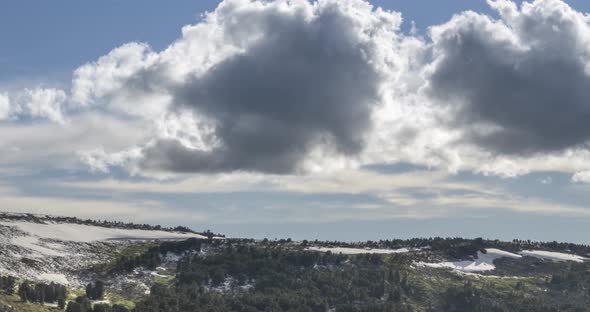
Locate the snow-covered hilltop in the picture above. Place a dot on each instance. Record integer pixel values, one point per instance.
(130, 257)
(86, 233)
(485, 260)
(133, 263)
(46, 248)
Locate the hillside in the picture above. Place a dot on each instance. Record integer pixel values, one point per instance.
(43, 248)
(99, 266)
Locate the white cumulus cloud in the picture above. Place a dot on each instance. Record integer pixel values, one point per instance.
(286, 87)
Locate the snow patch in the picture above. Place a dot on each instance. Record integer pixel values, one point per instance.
(484, 261)
(356, 251)
(553, 256)
(33, 244)
(146, 289)
(53, 277)
(154, 273)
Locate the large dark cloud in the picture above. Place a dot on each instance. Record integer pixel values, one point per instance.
(275, 86)
(520, 85)
(307, 82)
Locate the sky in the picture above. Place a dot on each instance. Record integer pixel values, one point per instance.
(339, 120)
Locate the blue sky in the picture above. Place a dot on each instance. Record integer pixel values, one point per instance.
(110, 110)
(53, 39)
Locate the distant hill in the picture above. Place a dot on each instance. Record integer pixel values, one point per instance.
(38, 218)
(49, 263)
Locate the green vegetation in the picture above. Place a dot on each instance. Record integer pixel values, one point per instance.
(271, 276)
(43, 293)
(144, 254)
(95, 291)
(10, 303)
(119, 300)
(130, 251)
(281, 275)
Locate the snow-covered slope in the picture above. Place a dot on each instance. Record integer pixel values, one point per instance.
(88, 233)
(54, 251)
(484, 261)
(553, 256)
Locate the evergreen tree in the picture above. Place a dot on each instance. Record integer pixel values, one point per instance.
(26, 292)
(119, 308)
(101, 307)
(98, 291)
(85, 303)
(74, 307)
(61, 303)
(89, 290)
(40, 293)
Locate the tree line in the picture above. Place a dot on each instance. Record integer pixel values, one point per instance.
(152, 257)
(43, 293)
(102, 223)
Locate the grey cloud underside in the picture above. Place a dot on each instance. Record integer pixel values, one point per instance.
(304, 84)
(537, 100)
(309, 78)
